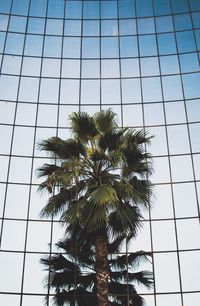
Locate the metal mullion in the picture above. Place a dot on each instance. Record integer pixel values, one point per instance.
(144, 128)
(80, 58)
(122, 121)
(14, 119)
(100, 59)
(31, 175)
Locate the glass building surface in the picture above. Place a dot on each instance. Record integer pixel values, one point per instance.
(141, 59)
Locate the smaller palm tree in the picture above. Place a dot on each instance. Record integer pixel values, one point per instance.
(73, 276)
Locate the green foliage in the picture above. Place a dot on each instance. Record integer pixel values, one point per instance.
(98, 186)
(73, 277)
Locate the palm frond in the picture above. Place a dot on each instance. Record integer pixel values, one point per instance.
(83, 126)
(105, 121)
(125, 218)
(144, 278)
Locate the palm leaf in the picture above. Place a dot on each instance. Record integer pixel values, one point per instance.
(105, 121)
(83, 126)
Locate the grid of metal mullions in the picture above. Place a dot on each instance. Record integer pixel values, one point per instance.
(94, 104)
(170, 172)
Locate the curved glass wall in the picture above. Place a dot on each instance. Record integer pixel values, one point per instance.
(138, 57)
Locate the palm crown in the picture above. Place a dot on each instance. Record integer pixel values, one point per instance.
(99, 182)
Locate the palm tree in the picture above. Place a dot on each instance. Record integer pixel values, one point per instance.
(73, 276)
(98, 182)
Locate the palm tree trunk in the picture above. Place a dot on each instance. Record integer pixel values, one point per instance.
(102, 267)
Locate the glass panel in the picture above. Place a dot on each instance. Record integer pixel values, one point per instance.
(23, 135)
(158, 142)
(162, 204)
(169, 64)
(130, 67)
(5, 139)
(147, 44)
(185, 200)
(161, 174)
(71, 47)
(90, 92)
(162, 229)
(70, 68)
(146, 26)
(90, 28)
(8, 299)
(177, 144)
(149, 114)
(189, 62)
(51, 67)
(49, 90)
(33, 276)
(166, 44)
(193, 110)
(72, 28)
(109, 27)
(52, 46)
(38, 7)
(190, 266)
(128, 46)
(13, 240)
(164, 23)
(31, 66)
(151, 89)
(188, 234)
(166, 267)
(11, 269)
(28, 89)
(4, 168)
(108, 9)
(181, 167)
(7, 112)
(131, 92)
(108, 94)
(190, 299)
(69, 92)
(91, 9)
(11, 64)
(73, 9)
(35, 242)
(47, 115)
(172, 88)
(26, 114)
(36, 25)
(8, 87)
(127, 26)
(90, 48)
(194, 135)
(142, 242)
(54, 27)
(132, 115)
(191, 85)
(109, 47)
(17, 201)
(168, 299)
(20, 170)
(90, 69)
(110, 68)
(149, 66)
(175, 112)
(186, 41)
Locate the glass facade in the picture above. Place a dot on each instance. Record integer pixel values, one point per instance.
(141, 59)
